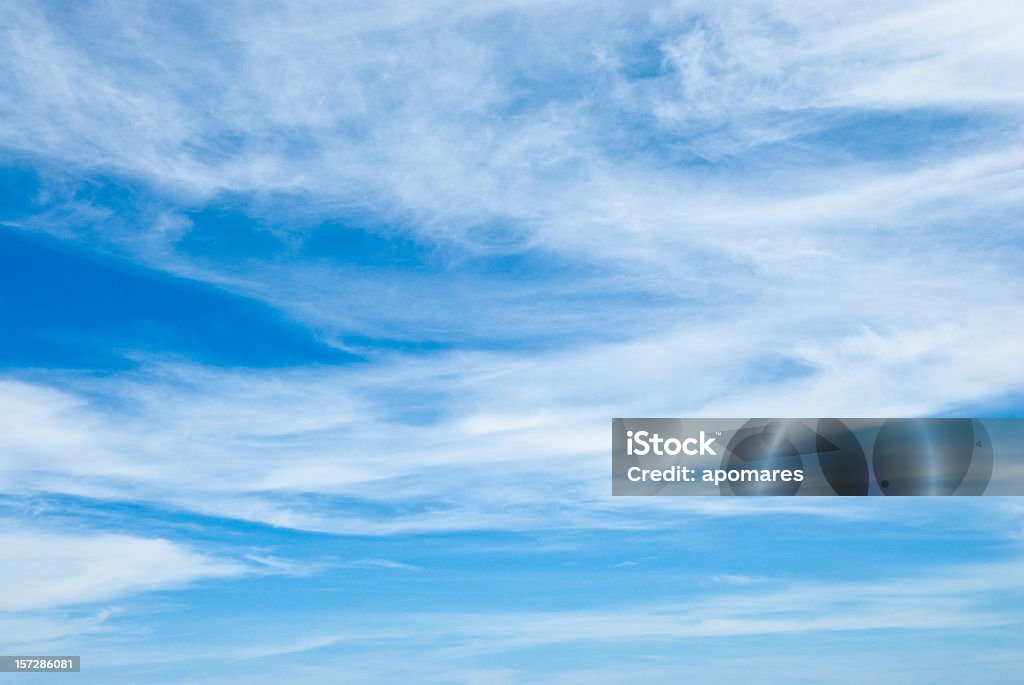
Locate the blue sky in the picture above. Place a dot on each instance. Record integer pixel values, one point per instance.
(313, 317)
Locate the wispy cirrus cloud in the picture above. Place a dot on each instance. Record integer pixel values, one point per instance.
(50, 569)
(934, 603)
(323, 449)
(692, 164)
(60, 586)
(523, 219)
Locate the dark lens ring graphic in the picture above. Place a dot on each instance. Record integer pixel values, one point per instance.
(932, 457)
(908, 457)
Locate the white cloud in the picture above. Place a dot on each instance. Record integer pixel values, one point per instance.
(410, 115)
(386, 564)
(43, 570)
(26, 632)
(891, 286)
(510, 436)
(944, 601)
(416, 117)
(940, 599)
(725, 252)
(733, 579)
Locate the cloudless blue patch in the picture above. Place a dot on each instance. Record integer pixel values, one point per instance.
(62, 308)
(18, 189)
(366, 244)
(641, 60)
(227, 234)
(1008, 406)
(772, 369)
(889, 136)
